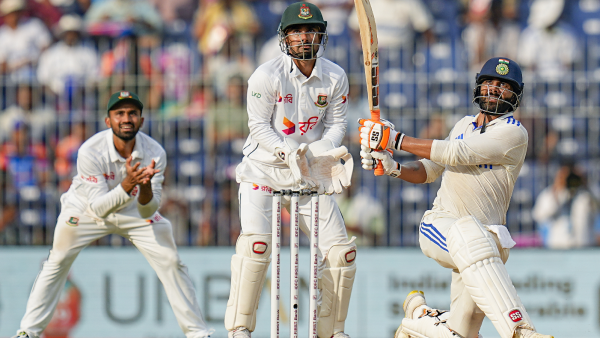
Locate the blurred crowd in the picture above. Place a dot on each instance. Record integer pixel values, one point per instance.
(189, 61)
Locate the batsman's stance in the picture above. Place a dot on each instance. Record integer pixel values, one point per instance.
(464, 231)
(117, 190)
(296, 99)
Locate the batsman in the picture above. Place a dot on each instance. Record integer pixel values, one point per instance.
(465, 231)
(297, 106)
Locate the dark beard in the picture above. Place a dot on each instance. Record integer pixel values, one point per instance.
(125, 136)
(500, 107)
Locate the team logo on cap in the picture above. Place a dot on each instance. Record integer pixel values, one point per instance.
(304, 12)
(502, 67)
(124, 95)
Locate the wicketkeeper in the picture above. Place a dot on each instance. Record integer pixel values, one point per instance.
(297, 106)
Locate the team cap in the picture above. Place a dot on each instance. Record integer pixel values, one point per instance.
(121, 96)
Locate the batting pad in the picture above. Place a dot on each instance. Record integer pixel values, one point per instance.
(336, 287)
(476, 255)
(248, 271)
(424, 327)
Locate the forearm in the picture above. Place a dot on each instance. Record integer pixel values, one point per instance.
(110, 202)
(148, 202)
(413, 172)
(417, 146)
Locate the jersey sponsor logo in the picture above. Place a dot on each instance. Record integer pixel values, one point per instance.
(291, 127)
(257, 95)
(321, 101)
(485, 166)
(344, 97)
(288, 98)
(134, 192)
(90, 179)
(73, 221)
(124, 95)
(308, 125)
(110, 176)
(263, 188)
(305, 12)
(157, 217)
(515, 316)
(460, 137)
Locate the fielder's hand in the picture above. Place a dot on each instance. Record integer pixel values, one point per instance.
(369, 161)
(135, 175)
(149, 172)
(379, 135)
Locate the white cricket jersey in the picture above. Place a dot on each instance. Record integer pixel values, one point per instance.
(479, 170)
(97, 190)
(282, 102)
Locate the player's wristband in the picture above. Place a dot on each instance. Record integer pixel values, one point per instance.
(398, 141)
(396, 172)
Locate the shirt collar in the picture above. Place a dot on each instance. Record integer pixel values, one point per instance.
(495, 121)
(115, 156)
(295, 72)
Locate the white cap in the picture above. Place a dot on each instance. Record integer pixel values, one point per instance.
(9, 6)
(544, 13)
(68, 23)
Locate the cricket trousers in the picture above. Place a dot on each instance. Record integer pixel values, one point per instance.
(153, 237)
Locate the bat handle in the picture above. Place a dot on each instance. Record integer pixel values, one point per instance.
(376, 116)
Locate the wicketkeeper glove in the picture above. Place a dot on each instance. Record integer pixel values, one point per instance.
(294, 155)
(369, 160)
(326, 166)
(379, 135)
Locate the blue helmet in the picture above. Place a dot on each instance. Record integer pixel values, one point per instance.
(505, 70)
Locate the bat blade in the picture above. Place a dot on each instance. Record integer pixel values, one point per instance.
(368, 39)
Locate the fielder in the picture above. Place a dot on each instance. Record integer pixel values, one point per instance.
(464, 231)
(297, 106)
(117, 190)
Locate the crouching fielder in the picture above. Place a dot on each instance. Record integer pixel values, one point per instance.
(464, 231)
(297, 119)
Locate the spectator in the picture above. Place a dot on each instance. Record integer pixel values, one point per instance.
(548, 46)
(30, 110)
(491, 30)
(75, 7)
(225, 30)
(68, 63)
(24, 171)
(566, 211)
(21, 41)
(398, 21)
(66, 155)
(116, 17)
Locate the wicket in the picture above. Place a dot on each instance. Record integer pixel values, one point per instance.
(294, 254)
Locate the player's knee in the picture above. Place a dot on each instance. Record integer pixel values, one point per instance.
(256, 246)
(341, 255)
(469, 242)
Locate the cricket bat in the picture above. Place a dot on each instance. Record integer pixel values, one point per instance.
(368, 39)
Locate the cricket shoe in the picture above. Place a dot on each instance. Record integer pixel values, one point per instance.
(239, 332)
(21, 334)
(527, 333)
(413, 300)
(340, 335)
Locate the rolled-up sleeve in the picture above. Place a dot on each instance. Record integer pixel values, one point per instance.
(102, 201)
(433, 170)
(504, 145)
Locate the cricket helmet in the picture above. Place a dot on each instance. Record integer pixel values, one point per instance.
(505, 70)
(303, 13)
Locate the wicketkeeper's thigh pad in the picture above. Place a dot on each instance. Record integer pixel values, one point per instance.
(249, 267)
(477, 257)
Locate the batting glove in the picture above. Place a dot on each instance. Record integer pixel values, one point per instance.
(379, 135)
(369, 160)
